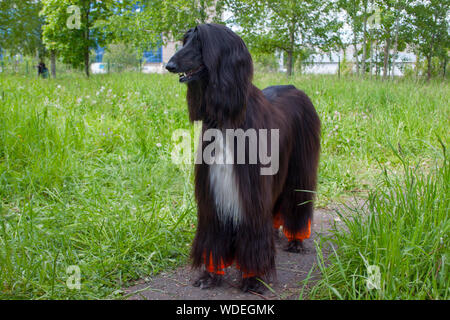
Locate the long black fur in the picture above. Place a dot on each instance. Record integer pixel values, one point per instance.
(222, 96)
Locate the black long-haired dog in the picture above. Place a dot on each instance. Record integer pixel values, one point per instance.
(238, 208)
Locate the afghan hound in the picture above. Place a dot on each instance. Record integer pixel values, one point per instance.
(239, 208)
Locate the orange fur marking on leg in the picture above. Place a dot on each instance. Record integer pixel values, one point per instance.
(210, 267)
(277, 221)
(301, 235)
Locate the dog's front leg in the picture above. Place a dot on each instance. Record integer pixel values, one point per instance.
(208, 280)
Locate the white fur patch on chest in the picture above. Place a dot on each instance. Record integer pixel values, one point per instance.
(225, 189)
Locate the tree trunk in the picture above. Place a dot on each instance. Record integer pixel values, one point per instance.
(364, 57)
(86, 47)
(416, 65)
(377, 53)
(429, 67)
(86, 61)
(444, 67)
(371, 57)
(395, 50)
(290, 61)
(203, 12)
(386, 58)
(355, 54)
(300, 68)
(38, 59)
(53, 63)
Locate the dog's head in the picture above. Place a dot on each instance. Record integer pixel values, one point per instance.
(216, 55)
(188, 61)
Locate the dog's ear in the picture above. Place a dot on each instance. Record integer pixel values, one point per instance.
(230, 71)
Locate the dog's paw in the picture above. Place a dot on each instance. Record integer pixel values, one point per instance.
(252, 284)
(208, 280)
(296, 246)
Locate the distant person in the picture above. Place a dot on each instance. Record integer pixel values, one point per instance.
(42, 70)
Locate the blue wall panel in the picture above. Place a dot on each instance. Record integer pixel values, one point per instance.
(153, 55)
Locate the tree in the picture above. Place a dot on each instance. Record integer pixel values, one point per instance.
(287, 25)
(372, 25)
(429, 30)
(354, 19)
(150, 23)
(71, 27)
(392, 28)
(368, 12)
(20, 26)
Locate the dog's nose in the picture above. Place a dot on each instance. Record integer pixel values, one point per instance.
(171, 66)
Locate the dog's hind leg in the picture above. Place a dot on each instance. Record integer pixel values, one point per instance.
(296, 214)
(296, 205)
(296, 200)
(296, 239)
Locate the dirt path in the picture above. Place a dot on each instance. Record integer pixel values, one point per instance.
(291, 270)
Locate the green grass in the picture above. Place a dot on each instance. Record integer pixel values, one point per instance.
(83, 182)
(403, 230)
(86, 176)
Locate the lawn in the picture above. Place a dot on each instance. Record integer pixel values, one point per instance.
(86, 178)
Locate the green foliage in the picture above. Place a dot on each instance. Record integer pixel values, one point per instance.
(297, 28)
(285, 25)
(435, 70)
(265, 62)
(346, 67)
(354, 16)
(20, 26)
(74, 43)
(160, 20)
(121, 56)
(430, 29)
(409, 71)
